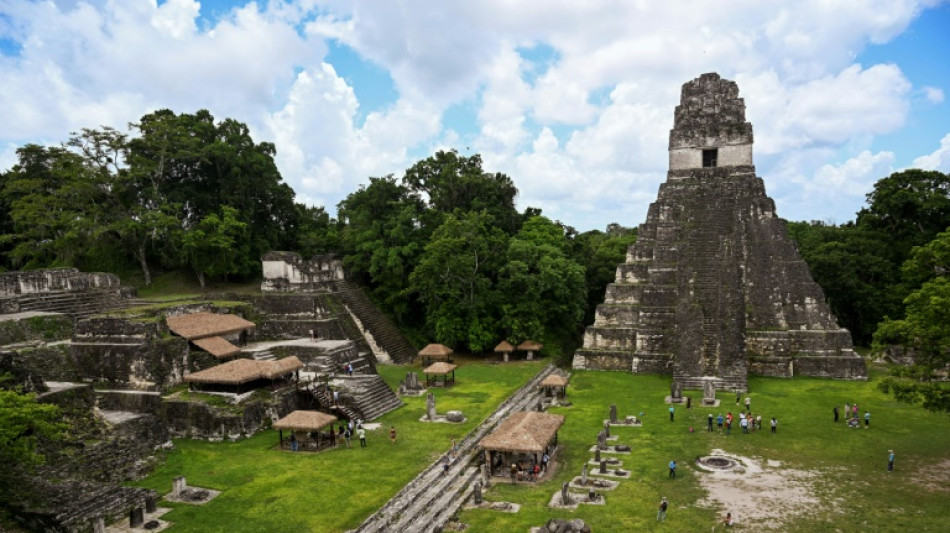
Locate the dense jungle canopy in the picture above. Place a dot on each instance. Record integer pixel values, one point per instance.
(443, 250)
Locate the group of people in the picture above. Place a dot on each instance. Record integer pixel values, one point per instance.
(850, 413)
(747, 422)
(350, 428)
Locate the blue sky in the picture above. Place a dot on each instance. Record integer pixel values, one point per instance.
(573, 100)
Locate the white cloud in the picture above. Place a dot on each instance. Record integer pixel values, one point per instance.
(933, 95)
(939, 159)
(584, 137)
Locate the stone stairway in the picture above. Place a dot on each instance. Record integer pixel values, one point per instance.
(382, 329)
(76, 304)
(369, 396)
(427, 502)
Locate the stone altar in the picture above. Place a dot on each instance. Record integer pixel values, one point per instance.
(714, 288)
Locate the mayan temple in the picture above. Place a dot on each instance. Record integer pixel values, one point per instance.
(714, 288)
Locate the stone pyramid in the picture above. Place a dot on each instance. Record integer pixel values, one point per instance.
(714, 288)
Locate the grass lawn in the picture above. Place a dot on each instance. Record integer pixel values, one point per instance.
(264, 489)
(856, 492)
(267, 490)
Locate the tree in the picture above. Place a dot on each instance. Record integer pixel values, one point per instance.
(910, 207)
(455, 280)
(23, 421)
(382, 239)
(56, 205)
(215, 247)
(454, 182)
(543, 290)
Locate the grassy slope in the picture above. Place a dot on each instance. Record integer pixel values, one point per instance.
(854, 461)
(268, 490)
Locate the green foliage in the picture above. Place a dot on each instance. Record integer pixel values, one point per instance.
(932, 396)
(216, 246)
(925, 329)
(23, 421)
(599, 253)
(455, 280)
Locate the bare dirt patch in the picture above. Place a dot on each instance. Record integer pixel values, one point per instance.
(935, 477)
(760, 497)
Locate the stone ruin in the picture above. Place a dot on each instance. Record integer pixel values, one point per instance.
(714, 288)
(289, 272)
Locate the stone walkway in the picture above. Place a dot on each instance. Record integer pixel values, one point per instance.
(432, 498)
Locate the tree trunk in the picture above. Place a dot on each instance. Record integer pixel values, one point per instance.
(144, 264)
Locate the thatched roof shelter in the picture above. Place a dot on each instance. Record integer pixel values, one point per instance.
(554, 380)
(439, 368)
(524, 432)
(217, 347)
(530, 346)
(504, 347)
(436, 350)
(199, 325)
(242, 371)
(305, 421)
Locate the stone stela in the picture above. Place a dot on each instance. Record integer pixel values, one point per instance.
(714, 288)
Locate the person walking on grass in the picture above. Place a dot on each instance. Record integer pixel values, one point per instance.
(719, 420)
(392, 434)
(672, 469)
(293, 442)
(890, 460)
(867, 419)
(661, 514)
(748, 403)
(362, 434)
(774, 424)
(671, 413)
(709, 423)
(835, 410)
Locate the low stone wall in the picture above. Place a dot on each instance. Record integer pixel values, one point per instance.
(36, 328)
(128, 400)
(196, 419)
(31, 366)
(54, 280)
(283, 328)
(616, 360)
(149, 365)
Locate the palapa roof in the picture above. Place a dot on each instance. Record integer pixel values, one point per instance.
(530, 346)
(439, 368)
(436, 350)
(198, 325)
(245, 370)
(554, 380)
(217, 346)
(524, 432)
(305, 421)
(504, 346)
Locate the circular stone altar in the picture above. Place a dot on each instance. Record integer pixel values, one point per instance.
(718, 463)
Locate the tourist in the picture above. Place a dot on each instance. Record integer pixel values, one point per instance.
(392, 434)
(445, 466)
(312, 337)
(867, 418)
(514, 473)
(672, 469)
(689, 402)
(719, 422)
(362, 434)
(748, 403)
(744, 423)
(544, 461)
(293, 442)
(671, 413)
(661, 514)
(738, 396)
(758, 422)
(854, 411)
(774, 424)
(348, 437)
(727, 521)
(709, 423)
(890, 461)
(847, 410)
(836, 413)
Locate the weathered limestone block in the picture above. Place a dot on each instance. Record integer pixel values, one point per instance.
(289, 272)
